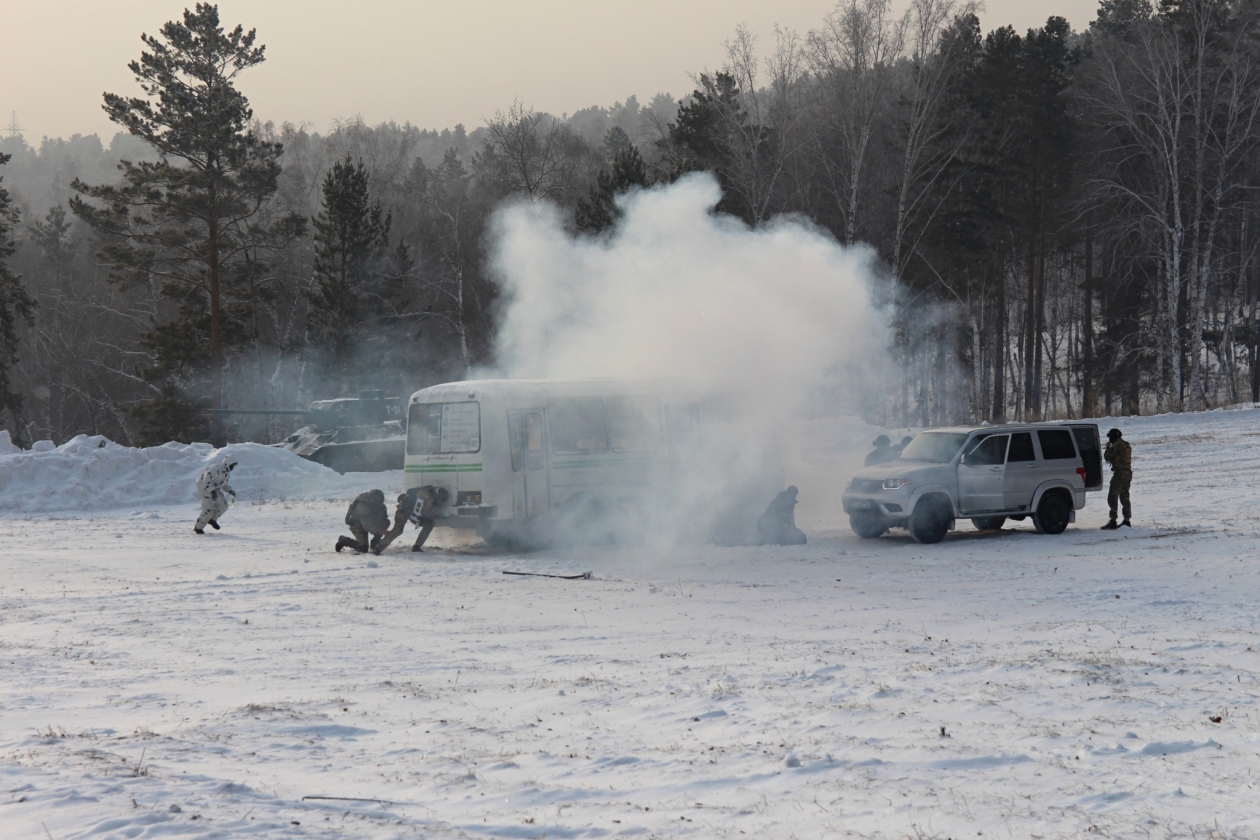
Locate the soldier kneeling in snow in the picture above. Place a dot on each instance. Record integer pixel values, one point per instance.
(214, 491)
(367, 515)
(777, 526)
(416, 505)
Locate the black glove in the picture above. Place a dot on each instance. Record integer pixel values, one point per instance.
(214, 495)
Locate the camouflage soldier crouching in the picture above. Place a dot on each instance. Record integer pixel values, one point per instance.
(416, 505)
(1120, 455)
(367, 515)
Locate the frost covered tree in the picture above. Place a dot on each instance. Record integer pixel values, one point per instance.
(191, 221)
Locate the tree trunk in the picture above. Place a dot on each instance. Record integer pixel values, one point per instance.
(216, 333)
(999, 366)
(1088, 397)
(1039, 325)
(1030, 329)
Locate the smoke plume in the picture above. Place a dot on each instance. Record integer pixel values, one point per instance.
(677, 290)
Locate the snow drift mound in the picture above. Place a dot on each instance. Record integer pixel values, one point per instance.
(91, 472)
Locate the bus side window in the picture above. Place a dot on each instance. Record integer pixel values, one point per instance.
(578, 426)
(634, 423)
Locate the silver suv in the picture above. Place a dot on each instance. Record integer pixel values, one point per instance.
(987, 474)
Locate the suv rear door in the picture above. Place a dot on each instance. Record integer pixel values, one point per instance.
(1058, 455)
(1088, 445)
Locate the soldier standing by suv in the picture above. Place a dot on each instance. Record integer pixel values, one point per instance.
(1119, 454)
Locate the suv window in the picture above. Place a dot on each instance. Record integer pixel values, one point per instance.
(1056, 444)
(1021, 448)
(934, 447)
(990, 452)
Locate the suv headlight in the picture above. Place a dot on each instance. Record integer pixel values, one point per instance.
(895, 483)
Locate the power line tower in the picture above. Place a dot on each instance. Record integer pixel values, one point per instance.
(15, 130)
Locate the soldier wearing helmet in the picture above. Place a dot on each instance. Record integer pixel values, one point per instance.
(367, 515)
(416, 505)
(1119, 454)
(215, 493)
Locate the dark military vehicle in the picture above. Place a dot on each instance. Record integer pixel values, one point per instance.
(348, 434)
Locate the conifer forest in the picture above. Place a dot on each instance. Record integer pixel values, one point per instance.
(1067, 223)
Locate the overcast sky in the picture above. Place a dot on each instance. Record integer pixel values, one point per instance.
(433, 63)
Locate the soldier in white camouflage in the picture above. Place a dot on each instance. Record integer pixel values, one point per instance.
(214, 493)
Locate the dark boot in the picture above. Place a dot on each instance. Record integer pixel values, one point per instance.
(1110, 526)
(214, 523)
(199, 531)
(347, 542)
(1126, 524)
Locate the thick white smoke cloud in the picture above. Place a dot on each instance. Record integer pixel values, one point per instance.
(679, 291)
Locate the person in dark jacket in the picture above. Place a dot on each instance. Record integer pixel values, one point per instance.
(416, 505)
(777, 526)
(1119, 454)
(882, 453)
(367, 515)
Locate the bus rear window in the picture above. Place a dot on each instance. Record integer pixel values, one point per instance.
(444, 428)
(578, 426)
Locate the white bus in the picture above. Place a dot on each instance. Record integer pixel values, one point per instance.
(522, 461)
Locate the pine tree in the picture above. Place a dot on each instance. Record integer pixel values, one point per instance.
(598, 211)
(350, 232)
(190, 220)
(15, 306)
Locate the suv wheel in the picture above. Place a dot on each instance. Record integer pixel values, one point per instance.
(988, 523)
(930, 521)
(868, 526)
(1053, 513)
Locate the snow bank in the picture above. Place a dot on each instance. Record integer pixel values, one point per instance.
(91, 472)
(6, 444)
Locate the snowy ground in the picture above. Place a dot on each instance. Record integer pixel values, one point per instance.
(162, 685)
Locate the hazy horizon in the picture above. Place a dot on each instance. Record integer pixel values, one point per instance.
(433, 65)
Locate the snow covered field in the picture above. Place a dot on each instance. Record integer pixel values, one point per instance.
(157, 684)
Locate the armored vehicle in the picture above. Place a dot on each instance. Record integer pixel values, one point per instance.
(987, 474)
(347, 434)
